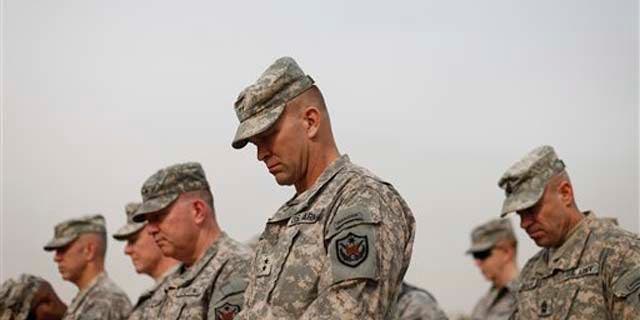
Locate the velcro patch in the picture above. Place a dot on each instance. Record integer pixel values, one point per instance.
(628, 283)
(348, 218)
(353, 253)
(591, 269)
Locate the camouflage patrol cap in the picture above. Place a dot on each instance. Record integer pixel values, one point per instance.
(524, 182)
(260, 105)
(67, 231)
(485, 236)
(131, 227)
(166, 185)
(16, 296)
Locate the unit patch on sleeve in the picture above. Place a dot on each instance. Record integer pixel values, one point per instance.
(227, 311)
(352, 249)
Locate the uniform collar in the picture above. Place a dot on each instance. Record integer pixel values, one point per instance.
(300, 201)
(568, 255)
(77, 301)
(157, 284)
(187, 275)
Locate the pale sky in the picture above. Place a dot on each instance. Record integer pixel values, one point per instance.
(437, 97)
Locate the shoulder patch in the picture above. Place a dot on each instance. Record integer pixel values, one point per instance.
(353, 254)
(348, 218)
(227, 311)
(627, 283)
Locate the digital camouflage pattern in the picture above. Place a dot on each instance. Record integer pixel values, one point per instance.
(16, 296)
(212, 288)
(259, 105)
(595, 274)
(67, 231)
(102, 299)
(164, 187)
(497, 304)
(339, 250)
(486, 235)
(131, 227)
(417, 304)
(155, 295)
(524, 182)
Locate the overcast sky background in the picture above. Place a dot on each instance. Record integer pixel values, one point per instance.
(437, 97)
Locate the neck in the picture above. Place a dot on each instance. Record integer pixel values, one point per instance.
(574, 218)
(91, 271)
(509, 273)
(162, 267)
(208, 237)
(317, 164)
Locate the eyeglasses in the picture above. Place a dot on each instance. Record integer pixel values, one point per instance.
(482, 255)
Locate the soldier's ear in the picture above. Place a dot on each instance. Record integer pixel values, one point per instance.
(565, 192)
(199, 211)
(311, 118)
(90, 250)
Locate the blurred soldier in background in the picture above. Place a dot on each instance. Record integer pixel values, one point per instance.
(494, 249)
(147, 259)
(29, 297)
(588, 268)
(80, 247)
(417, 304)
(210, 284)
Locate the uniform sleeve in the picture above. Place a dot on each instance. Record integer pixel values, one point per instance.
(368, 243)
(625, 288)
(106, 309)
(227, 302)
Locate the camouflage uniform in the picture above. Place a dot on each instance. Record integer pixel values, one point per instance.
(152, 297)
(102, 299)
(417, 304)
(497, 303)
(156, 294)
(16, 297)
(213, 287)
(340, 249)
(594, 274)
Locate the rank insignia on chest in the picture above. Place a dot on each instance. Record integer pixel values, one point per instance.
(352, 249)
(544, 308)
(227, 311)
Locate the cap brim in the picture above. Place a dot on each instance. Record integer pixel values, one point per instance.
(256, 125)
(520, 200)
(480, 247)
(152, 206)
(57, 243)
(128, 230)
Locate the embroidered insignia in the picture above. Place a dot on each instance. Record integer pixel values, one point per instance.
(303, 217)
(352, 249)
(227, 311)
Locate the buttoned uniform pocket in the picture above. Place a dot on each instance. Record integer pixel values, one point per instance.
(627, 287)
(188, 304)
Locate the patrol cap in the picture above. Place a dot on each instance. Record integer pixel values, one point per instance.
(166, 185)
(131, 227)
(16, 296)
(524, 181)
(485, 236)
(260, 105)
(67, 231)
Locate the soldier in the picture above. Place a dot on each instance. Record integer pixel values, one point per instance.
(418, 304)
(29, 297)
(80, 247)
(494, 248)
(147, 259)
(178, 205)
(587, 268)
(340, 247)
